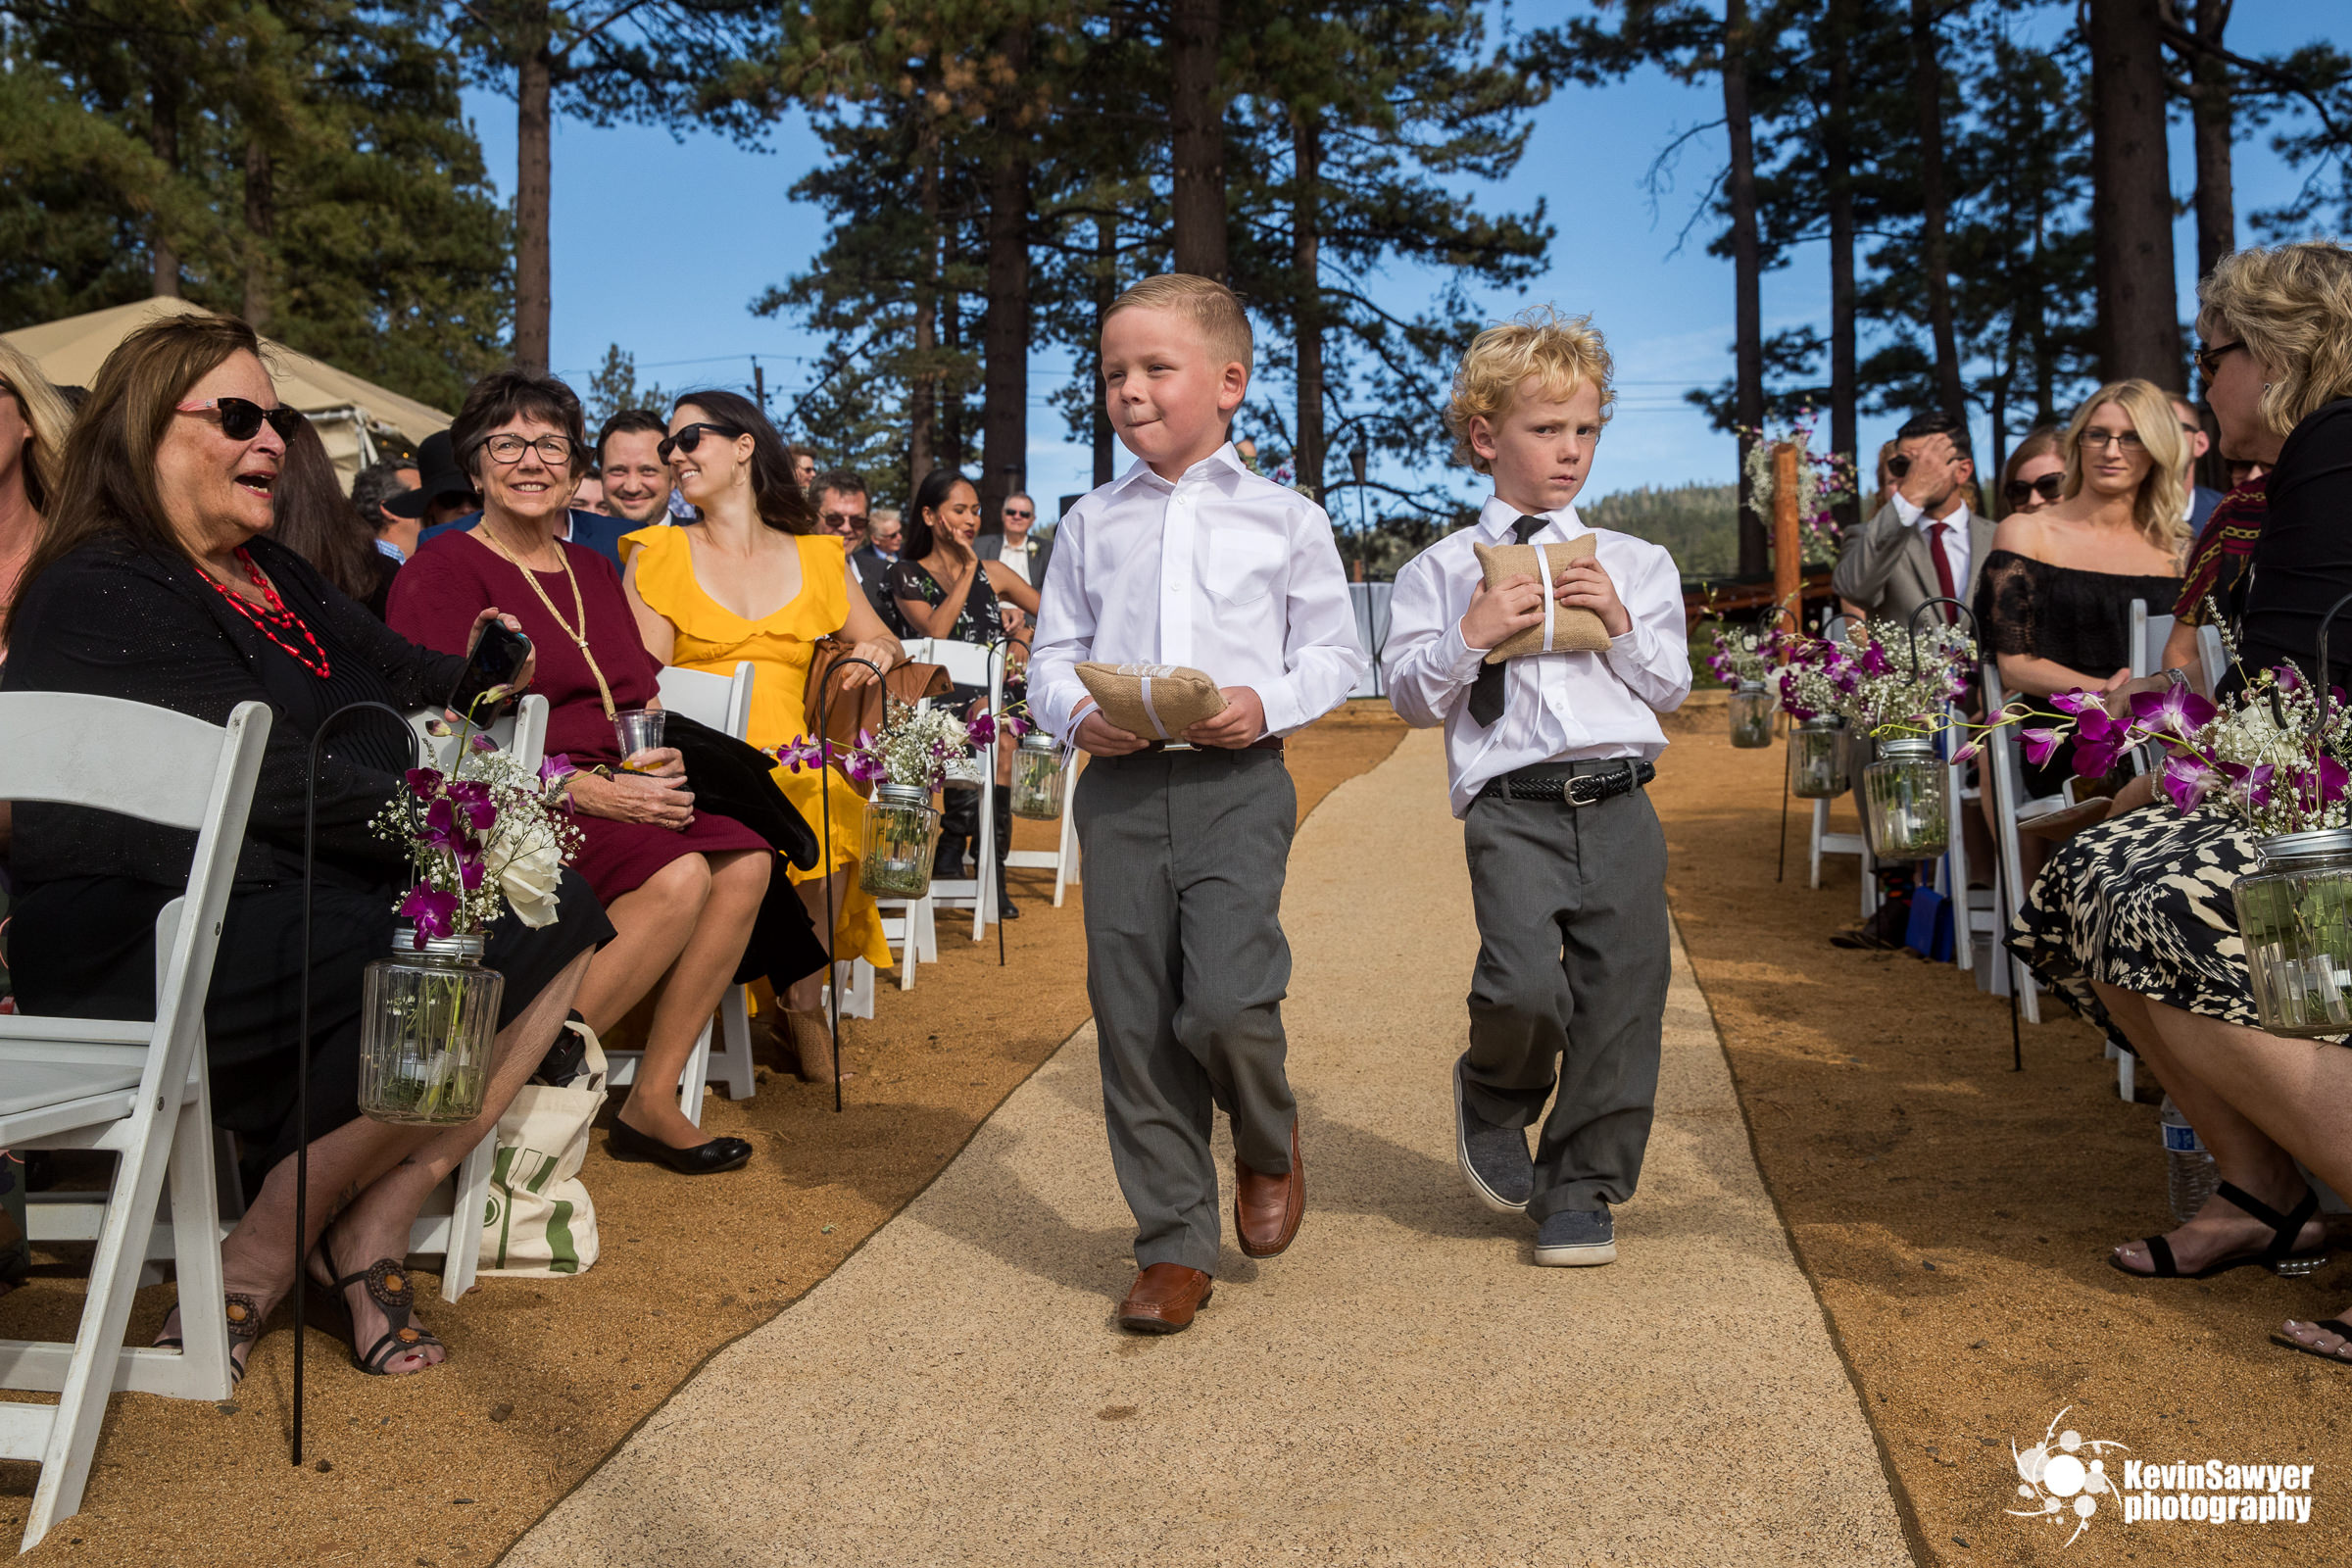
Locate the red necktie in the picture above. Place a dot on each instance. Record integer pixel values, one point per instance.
(1944, 562)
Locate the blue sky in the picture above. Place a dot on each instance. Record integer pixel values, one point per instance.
(660, 244)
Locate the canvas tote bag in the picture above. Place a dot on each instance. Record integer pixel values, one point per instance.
(540, 1219)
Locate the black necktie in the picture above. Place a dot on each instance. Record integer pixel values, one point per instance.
(1486, 693)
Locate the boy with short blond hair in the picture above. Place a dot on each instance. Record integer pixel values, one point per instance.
(1190, 560)
(1546, 754)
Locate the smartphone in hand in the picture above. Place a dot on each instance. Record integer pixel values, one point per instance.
(497, 659)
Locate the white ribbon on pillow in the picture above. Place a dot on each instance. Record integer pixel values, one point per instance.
(1543, 572)
(1152, 711)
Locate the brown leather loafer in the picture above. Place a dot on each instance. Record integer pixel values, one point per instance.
(1266, 1209)
(1163, 1298)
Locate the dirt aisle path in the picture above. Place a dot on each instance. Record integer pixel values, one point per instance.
(1955, 1215)
(1401, 1387)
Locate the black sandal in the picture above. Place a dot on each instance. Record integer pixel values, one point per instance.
(2279, 1255)
(244, 1327)
(2333, 1325)
(388, 1286)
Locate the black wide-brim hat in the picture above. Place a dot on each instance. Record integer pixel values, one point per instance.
(437, 475)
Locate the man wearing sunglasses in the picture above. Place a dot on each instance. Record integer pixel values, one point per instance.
(1926, 542)
(596, 530)
(1014, 547)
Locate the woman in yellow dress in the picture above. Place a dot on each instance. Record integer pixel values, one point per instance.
(753, 580)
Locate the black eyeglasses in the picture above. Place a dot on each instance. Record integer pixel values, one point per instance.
(243, 420)
(2207, 358)
(508, 449)
(2124, 441)
(691, 436)
(2046, 487)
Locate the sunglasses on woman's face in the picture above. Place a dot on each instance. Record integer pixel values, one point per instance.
(2046, 487)
(243, 420)
(691, 436)
(2210, 356)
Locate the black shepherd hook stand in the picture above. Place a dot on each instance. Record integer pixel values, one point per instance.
(1772, 612)
(824, 790)
(1000, 647)
(302, 1055)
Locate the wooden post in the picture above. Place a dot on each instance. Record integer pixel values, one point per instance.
(1788, 544)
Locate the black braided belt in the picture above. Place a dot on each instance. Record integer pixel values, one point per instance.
(1553, 781)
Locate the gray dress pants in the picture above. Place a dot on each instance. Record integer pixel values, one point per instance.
(1186, 967)
(1570, 989)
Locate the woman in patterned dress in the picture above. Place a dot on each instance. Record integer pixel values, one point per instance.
(2132, 920)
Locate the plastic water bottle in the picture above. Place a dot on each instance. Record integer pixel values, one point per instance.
(2190, 1175)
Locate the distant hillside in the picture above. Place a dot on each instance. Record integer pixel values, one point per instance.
(1698, 523)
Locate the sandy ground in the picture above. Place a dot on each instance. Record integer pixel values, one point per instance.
(545, 1376)
(1955, 1216)
(1399, 1387)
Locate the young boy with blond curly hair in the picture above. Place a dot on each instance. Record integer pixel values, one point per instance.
(1546, 753)
(1192, 561)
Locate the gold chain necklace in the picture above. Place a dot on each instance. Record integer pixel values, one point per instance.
(579, 605)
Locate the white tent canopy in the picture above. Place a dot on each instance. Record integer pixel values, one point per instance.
(352, 416)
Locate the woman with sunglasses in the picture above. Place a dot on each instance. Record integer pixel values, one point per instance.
(754, 578)
(2132, 920)
(681, 887)
(156, 581)
(2035, 476)
(2055, 606)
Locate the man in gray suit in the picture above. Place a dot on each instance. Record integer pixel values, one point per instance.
(1014, 547)
(1926, 542)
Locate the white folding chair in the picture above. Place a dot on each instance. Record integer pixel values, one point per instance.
(450, 1224)
(1975, 912)
(2010, 808)
(138, 1091)
(971, 664)
(2149, 634)
(723, 703)
(1062, 862)
(2213, 658)
(1857, 844)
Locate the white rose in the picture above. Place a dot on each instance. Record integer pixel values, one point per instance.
(528, 872)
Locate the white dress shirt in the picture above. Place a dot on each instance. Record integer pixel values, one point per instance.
(1557, 707)
(1221, 570)
(1956, 539)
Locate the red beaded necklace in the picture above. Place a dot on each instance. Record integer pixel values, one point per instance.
(270, 618)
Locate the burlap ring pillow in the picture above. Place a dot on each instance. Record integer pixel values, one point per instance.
(1158, 702)
(1561, 630)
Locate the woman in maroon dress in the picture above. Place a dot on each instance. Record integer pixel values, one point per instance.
(682, 889)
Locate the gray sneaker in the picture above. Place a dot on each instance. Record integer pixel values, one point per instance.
(1575, 1238)
(1495, 1159)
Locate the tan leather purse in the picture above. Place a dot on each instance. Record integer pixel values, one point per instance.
(851, 710)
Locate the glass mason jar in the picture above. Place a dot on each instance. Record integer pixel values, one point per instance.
(2295, 913)
(427, 1019)
(1037, 778)
(1751, 715)
(1817, 759)
(1902, 801)
(901, 827)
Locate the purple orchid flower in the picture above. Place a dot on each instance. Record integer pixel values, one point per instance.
(2186, 780)
(482, 742)
(2040, 744)
(430, 910)
(2289, 678)
(2176, 712)
(423, 782)
(471, 869)
(2098, 742)
(554, 770)
(2077, 704)
(1875, 662)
